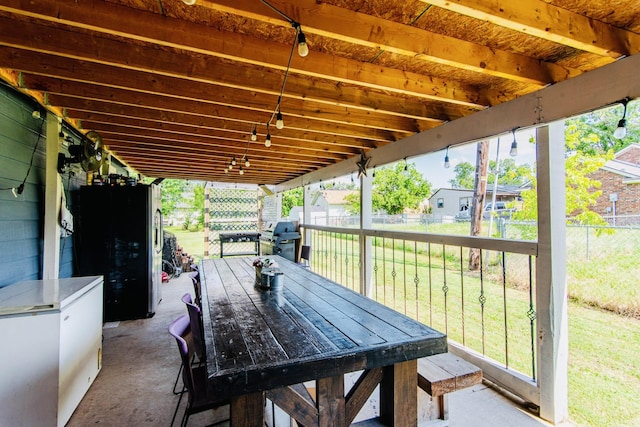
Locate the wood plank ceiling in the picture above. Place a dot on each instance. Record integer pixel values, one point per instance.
(175, 90)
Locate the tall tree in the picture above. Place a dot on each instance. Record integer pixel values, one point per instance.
(582, 191)
(394, 189)
(171, 190)
(291, 198)
(463, 175)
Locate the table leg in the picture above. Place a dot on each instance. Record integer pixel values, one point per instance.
(399, 394)
(248, 410)
(330, 401)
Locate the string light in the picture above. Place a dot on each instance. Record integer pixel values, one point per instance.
(267, 141)
(514, 145)
(254, 134)
(621, 130)
(279, 120)
(240, 171)
(246, 162)
(446, 159)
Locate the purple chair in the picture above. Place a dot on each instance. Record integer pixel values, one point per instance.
(194, 378)
(195, 278)
(197, 327)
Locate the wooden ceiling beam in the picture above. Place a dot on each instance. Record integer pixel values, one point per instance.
(199, 42)
(89, 120)
(63, 100)
(547, 21)
(322, 152)
(365, 30)
(228, 98)
(113, 139)
(83, 71)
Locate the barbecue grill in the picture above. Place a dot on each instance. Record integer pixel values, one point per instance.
(240, 237)
(279, 239)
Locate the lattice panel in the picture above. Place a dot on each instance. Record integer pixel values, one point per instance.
(231, 210)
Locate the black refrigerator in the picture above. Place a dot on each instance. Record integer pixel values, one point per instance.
(118, 234)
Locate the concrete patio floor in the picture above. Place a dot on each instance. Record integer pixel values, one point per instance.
(140, 364)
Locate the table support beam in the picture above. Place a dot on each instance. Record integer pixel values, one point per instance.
(248, 410)
(331, 402)
(399, 395)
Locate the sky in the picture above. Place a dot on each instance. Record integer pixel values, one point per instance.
(431, 166)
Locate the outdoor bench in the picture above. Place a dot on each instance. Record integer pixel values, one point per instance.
(441, 374)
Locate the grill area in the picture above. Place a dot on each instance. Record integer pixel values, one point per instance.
(280, 239)
(242, 238)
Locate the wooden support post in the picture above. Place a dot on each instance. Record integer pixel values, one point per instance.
(331, 402)
(248, 410)
(399, 394)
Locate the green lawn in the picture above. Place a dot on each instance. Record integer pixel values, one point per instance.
(191, 242)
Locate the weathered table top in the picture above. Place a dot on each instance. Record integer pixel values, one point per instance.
(314, 329)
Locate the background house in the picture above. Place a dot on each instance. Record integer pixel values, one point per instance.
(447, 202)
(620, 179)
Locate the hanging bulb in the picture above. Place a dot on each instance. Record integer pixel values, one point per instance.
(241, 172)
(226, 171)
(279, 121)
(246, 162)
(267, 142)
(514, 145)
(303, 49)
(446, 159)
(621, 130)
(230, 166)
(233, 161)
(374, 172)
(189, 2)
(406, 166)
(254, 134)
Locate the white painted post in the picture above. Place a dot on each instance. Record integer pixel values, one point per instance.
(551, 282)
(366, 207)
(53, 193)
(306, 212)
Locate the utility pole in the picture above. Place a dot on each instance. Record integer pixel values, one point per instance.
(477, 204)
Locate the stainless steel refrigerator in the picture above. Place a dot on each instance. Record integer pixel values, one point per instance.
(118, 234)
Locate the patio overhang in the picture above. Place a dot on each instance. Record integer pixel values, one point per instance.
(176, 90)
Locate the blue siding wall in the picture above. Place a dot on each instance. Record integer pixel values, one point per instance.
(21, 218)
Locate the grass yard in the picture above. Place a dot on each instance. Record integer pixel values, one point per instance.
(191, 242)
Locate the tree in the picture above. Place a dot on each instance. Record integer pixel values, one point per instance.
(172, 190)
(581, 190)
(198, 204)
(464, 175)
(394, 189)
(291, 198)
(508, 172)
(593, 132)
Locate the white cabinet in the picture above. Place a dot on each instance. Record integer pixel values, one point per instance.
(50, 348)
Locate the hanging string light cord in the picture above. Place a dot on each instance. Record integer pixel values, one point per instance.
(295, 25)
(19, 189)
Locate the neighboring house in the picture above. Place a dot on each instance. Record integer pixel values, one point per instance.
(447, 202)
(334, 201)
(620, 179)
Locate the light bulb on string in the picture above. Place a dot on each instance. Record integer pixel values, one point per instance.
(279, 120)
(247, 163)
(233, 161)
(254, 134)
(514, 145)
(267, 141)
(303, 49)
(240, 171)
(621, 130)
(446, 159)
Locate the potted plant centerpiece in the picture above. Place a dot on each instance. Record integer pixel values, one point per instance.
(260, 263)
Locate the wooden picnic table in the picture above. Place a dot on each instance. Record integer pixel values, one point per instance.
(263, 343)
